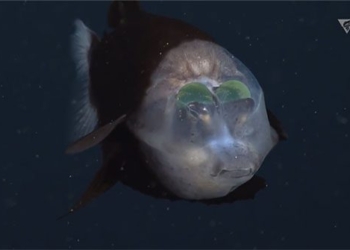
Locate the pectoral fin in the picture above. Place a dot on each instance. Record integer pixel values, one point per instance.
(277, 126)
(93, 138)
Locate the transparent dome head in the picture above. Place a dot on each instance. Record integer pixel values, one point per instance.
(203, 123)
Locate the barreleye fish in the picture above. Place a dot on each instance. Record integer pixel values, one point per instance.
(176, 115)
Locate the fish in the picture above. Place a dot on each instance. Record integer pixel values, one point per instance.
(176, 115)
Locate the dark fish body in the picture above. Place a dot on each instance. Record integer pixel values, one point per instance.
(126, 58)
(176, 115)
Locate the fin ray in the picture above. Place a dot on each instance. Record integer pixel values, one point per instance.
(94, 137)
(84, 113)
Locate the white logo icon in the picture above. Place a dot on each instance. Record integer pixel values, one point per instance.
(345, 23)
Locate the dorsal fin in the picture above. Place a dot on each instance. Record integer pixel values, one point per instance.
(120, 10)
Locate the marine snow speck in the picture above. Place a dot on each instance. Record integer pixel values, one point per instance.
(175, 114)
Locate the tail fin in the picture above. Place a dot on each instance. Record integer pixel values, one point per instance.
(119, 11)
(85, 117)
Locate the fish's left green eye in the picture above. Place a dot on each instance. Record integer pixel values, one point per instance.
(194, 93)
(232, 90)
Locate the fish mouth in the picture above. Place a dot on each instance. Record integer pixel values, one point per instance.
(232, 173)
(244, 166)
(236, 173)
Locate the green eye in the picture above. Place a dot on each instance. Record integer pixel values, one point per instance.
(194, 92)
(232, 91)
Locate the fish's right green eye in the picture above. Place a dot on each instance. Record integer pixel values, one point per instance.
(232, 90)
(194, 93)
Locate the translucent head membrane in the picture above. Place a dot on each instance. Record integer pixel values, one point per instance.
(203, 123)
